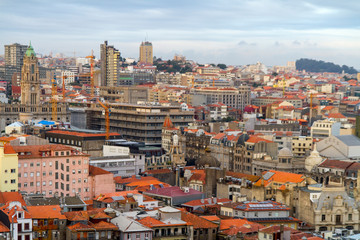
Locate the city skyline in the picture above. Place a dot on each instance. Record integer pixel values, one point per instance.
(233, 32)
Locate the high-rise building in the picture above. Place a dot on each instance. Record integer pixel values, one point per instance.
(14, 55)
(146, 53)
(110, 64)
(30, 83)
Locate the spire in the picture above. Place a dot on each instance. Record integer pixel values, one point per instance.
(167, 122)
(30, 51)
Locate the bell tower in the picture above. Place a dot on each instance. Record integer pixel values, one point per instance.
(30, 84)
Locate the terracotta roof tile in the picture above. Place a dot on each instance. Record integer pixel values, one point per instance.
(45, 212)
(196, 221)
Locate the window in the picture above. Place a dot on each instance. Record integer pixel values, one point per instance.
(13, 170)
(50, 183)
(350, 217)
(44, 174)
(50, 173)
(13, 181)
(44, 183)
(50, 164)
(38, 184)
(73, 162)
(38, 164)
(31, 184)
(79, 180)
(25, 165)
(67, 160)
(25, 184)
(73, 171)
(38, 174)
(323, 217)
(79, 162)
(31, 164)
(79, 171)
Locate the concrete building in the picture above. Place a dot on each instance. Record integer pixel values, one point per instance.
(301, 146)
(325, 128)
(340, 147)
(146, 53)
(131, 229)
(14, 55)
(263, 101)
(139, 122)
(174, 196)
(125, 94)
(110, 64)
(232, 97)
(87, 142)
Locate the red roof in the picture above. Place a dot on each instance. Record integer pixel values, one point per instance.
(206, 201)
(8, 149)
(255, 139)
(282, 177)
(46, 212)
(168, 123)
(83, 134)
(335, 164)
(173, 192)
(93, 171)
(6, 197)
(197, 222)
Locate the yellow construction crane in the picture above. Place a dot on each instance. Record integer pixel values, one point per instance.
(53, 99)
(63, 87)
(107, 119)
(91, 73)
(283, 86)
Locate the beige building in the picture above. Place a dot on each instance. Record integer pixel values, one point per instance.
(110, 64)
(146, 53)
(301, 146)
(233, 97)
(326, 208)
(122, 94)
(325, 128)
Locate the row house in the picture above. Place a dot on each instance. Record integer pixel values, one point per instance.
(58, 169)
(267, 213)
(249, 148)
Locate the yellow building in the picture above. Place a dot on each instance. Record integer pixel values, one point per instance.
(146, 53)
(8, 169)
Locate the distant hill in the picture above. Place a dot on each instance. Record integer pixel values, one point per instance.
(311, 65)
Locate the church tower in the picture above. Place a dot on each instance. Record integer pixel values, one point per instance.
(30, 83)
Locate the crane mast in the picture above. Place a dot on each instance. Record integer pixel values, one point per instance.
(53, 99)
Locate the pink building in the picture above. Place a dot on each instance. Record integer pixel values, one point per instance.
(58, 169)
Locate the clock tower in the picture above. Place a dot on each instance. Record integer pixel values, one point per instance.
(30, 83)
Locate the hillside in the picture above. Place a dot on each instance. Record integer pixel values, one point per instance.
(311, 65)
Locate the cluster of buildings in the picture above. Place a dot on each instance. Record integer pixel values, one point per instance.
(210, 152)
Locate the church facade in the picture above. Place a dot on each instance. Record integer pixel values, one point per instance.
(31, 106)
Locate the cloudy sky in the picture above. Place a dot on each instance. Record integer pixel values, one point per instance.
(228, 31)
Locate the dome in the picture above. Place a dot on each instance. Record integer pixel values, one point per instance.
(285, 152)
(30, 51)
(207, 160)
(242, 139)
(313, 160)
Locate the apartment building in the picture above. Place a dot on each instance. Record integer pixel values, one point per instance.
(110, 64)
(301, 146)
(58, 169)
(233, 97)
(325, 128)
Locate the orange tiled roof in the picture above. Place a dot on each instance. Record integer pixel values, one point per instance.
(196, 221)
(249, 177)
(255, 139)
(105, 226)
(6, 197)
(83, 134)
(230, 223)
(8, 149)
(133, 178)
(212, 218)
(151, 222)
(281, 177)
(167, 122)
(93, 171)
(3, 228)
(45, 212)
(336, 115)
